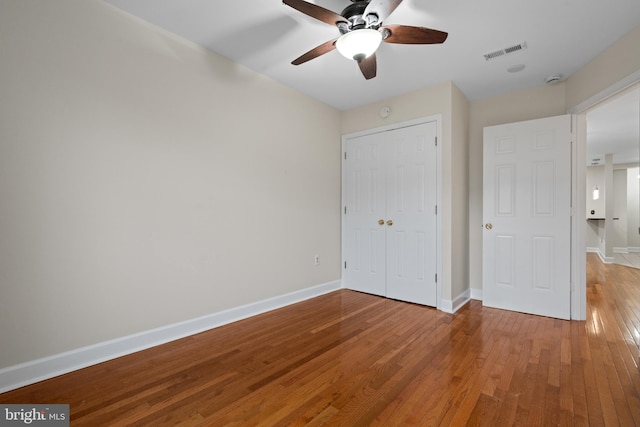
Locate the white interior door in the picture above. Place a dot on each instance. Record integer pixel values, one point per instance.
(364, 216)
(411, 203)
(390, 226)
(527, 216)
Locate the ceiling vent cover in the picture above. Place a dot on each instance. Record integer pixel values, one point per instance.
(506, 51)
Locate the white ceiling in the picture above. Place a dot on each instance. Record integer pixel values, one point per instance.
(265, 35)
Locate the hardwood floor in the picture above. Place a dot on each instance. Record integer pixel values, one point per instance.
(353, 359)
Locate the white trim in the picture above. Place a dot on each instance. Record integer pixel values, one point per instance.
(433, 118)
(446, 305)
(608, 92)
(393, 126)
(633, 249)
(476, 294)
(620, 250)
(31, 372)
(605, 259)
(578, 218)
(461, 300)
(578, 244)
(451, 307)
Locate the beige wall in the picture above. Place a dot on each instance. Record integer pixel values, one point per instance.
(618, 61)
(421, 103)
(460, 197)
(146, 181)
(529, 104)
(612, 65)
(446, 100)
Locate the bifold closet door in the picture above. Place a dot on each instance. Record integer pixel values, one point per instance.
(364, 216)
(411, 206)
(390, 214)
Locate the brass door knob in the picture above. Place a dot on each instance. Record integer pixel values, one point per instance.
(381, 221)
(389, 222)
(489, 226)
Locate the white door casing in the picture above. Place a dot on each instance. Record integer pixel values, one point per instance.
(390, 223)
(527, 216)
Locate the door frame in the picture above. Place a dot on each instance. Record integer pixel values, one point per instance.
(579, 197)
(393, 126)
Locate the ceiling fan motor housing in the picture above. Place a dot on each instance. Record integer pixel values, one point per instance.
(354, 13)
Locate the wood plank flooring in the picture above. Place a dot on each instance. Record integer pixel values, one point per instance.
(351, 359)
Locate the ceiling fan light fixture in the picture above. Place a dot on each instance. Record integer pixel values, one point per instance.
(359, 44)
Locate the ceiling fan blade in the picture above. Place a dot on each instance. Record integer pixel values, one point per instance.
(368, 66)
(381, 8)
(404, 34)
(315, 52)
(314, 11)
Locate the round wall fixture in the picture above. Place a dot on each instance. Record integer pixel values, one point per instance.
(384, 112)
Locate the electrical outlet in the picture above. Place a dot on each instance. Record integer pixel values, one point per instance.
(316, 260)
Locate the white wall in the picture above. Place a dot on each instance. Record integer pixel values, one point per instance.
(620, 210)
(633, 209)
(146, 181)
(595, 177)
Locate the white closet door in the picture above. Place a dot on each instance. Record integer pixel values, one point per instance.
(411, 203)
(364, 239)
(390, 221)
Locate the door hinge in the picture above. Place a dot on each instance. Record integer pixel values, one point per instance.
(345, 210)
(345, 155)
(345, 265)
(436, 209)
(435, 140)
(436, 277)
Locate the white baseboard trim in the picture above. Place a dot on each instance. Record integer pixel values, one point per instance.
(476, 294)
(592, 249)
(628, 250)
(31, 372)
(451, 307)
(605, 259)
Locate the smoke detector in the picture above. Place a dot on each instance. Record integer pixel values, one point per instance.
(553, 79)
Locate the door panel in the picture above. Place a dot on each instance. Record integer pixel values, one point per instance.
(391, 176)
(365, 238)
(527, 197)
(411, 200)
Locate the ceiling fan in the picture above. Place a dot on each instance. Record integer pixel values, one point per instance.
(361, 31)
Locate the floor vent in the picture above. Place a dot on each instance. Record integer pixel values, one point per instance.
(506, 51)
